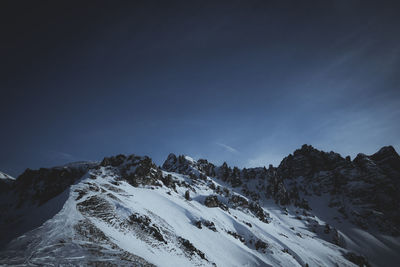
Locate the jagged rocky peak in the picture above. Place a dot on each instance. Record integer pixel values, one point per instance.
(174, 162)
(385, 161)
(128, 163)
(121, 160)
(233, 175)
(46, 183)
(186, 165)
(137, 170)
(370, 183)
(388, 157)
(365, 163)
(307, 160)
(188, 203)
(386, 152)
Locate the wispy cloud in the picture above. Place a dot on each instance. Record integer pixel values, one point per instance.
(59, 155)
(228, 148)
(65, 155)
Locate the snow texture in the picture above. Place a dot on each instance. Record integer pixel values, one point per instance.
(127, 211)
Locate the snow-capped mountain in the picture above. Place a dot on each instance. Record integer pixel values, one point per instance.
(314, 209)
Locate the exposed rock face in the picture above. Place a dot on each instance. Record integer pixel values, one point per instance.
(171, 163)
(357, 259)
(380, 173)
(388, 160)
(186, 165)
(146, 225)
(260, 245)
(364, 192)
(277, 190)
(307, 161)
(187, 195)
(191, 249)
(212, 202)
(168, 181)
(46, 183)
(134, 169)
(210, 225)
(259, 212)
(238, 201)
(385, 162)
(6, 182)
(370, 183)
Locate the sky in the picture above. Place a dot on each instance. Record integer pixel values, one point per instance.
(246, 82)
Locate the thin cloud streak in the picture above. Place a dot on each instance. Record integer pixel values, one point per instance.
(228, 148)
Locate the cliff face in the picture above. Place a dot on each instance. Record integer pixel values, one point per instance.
(314, 208)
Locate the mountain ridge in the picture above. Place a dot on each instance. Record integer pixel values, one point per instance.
(362, 193)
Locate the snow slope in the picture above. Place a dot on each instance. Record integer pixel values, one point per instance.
(126, 211)
(61, 240)
(5, 176)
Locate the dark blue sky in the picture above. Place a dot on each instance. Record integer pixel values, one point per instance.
(245, 82)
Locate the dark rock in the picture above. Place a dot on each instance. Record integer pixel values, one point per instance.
(212, 202)
(81, 193)
(237, 236)
(210, 225)
(248, 224)
(259, 212)
(187, 195)
(327, 229)
(46, 183)
(141, 171)
(357, 259)
(145, 223)
(239, 201)
(168, 181)
(190, 248)
(97, 207)
(212, 186)
(170, 162)
(113, 161)
(307, 161)
(260, 245)
(198, 224)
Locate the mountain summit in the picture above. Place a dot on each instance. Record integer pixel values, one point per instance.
(314, 209)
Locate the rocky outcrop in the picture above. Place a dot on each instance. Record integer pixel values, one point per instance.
(208, 224)
(189, 248)
(371, 184)
(388, 160)
(188, 166)
(145, 223)
(43, 184)
(213, 202)
(6, 182)
(134, 169)
(307, 161)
